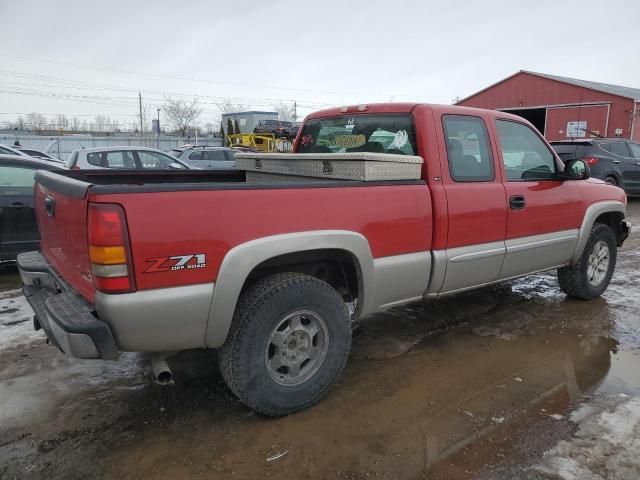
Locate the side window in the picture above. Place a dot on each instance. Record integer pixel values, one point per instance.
(95, 158)
(620, 149)
(215, 155)
(120, 160)
(635, 149)
(15, 180)
(525, 155)
(468, 150)
(156, 160)
(197, 155)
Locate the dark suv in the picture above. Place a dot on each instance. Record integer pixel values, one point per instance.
(278, 127)
(614, 160)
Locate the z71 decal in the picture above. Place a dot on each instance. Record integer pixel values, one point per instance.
(177, 262)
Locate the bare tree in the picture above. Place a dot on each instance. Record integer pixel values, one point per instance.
(286, 111)
(228, 106)
(20, 123)
(101, 123)
(75, 124)
(181, 115)
(62, 122)
(36, 121)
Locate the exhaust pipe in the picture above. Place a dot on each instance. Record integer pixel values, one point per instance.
(161, 372)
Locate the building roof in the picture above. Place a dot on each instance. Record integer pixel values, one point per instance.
(628, 92)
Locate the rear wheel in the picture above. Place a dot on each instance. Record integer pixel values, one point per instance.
(611, 180)
(288, 343)
(591, 275)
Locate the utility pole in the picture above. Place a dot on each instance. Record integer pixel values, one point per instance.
(158, 130)
(140, 105)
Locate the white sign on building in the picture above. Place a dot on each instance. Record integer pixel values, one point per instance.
(577, 129)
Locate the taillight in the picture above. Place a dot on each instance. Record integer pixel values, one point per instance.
(109, 253)
(591, 160)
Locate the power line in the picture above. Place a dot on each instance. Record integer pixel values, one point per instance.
(172, 77)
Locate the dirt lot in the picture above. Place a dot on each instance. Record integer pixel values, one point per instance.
(479, 385)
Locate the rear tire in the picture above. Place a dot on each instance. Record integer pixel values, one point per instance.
(288, 344)
(591, 275)
(611, 180)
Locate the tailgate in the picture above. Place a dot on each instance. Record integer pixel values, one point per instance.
(61, 212)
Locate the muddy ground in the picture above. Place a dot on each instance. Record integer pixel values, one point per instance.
(479, 385)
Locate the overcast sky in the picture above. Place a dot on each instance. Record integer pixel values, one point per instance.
(90, 58)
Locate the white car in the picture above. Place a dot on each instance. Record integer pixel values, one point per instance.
(140, 158)
(7, 150)
(32, 152)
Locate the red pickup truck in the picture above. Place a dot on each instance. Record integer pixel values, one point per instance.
(274, 274)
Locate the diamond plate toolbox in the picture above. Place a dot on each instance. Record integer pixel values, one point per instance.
(361, 166)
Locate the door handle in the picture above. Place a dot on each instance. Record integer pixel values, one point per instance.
(616, 161)
(517, 202)
(638, 164)
(17, 205)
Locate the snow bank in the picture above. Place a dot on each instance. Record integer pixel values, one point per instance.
(16, 326)
(606, 445)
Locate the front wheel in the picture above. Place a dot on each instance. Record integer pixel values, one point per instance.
(288, 343)
(591, 275)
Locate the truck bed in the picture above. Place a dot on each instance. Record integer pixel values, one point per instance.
(211, 212)
(110, 181)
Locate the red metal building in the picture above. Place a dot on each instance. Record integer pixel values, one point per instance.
(563, 108)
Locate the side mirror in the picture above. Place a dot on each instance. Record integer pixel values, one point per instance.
(576, 170)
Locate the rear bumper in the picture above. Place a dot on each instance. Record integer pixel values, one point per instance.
(67, 319)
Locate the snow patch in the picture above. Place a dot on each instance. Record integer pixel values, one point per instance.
(606, 445)
(16, 327)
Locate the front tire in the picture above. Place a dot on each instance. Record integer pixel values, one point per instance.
(288, 344)
(591, 275)
(611, 180)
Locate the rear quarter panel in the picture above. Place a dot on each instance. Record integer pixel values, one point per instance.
(395, 219)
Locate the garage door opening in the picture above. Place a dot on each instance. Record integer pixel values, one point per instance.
(536, 116)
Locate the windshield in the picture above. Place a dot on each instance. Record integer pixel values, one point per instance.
(376, 133)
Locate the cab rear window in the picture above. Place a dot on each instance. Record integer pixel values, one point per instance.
(375, 133)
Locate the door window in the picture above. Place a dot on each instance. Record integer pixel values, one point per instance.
(468, 150)
(197, 155)
(214, 155)
(156, 160)
(16, 180)
(620, 149)
(524, 154)
(120, 160)
(94, 158)
(635, 149)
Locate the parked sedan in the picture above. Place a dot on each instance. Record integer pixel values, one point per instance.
(205, 157)
(614, 160)
(140, 158)
(18, 228)
(7, 150)
(32, 152)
